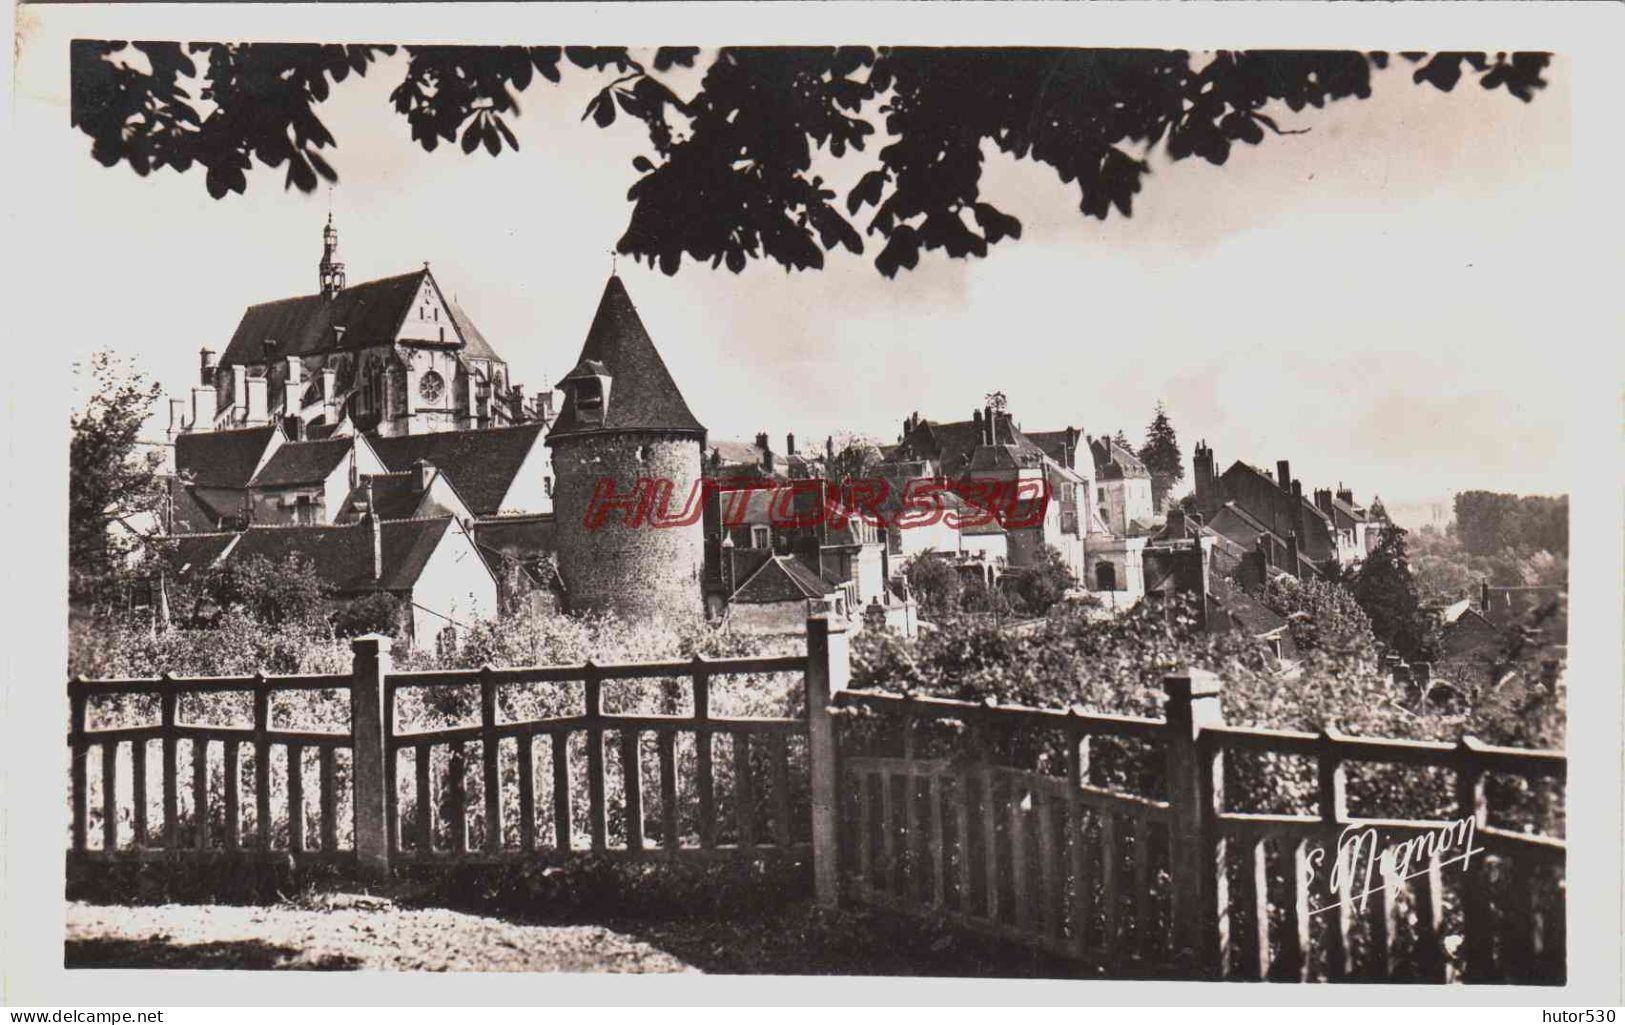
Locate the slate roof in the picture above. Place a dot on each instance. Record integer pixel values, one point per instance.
(480, 464)
(395, 496)
(191, 554)
(371, 313)
(1053, 443)
(642, 394)
(302, 462)
(342, 555)
(781, 578)
(955, 446)
(222, 459)
(1115, 462)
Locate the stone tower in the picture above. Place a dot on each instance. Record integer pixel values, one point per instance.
(624, 421)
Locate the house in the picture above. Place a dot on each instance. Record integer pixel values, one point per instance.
(394, 356)
(736, 460)
(1302, 537)
(423, 492)
(497, 471)
(431, 565)
(989, 452)
(1122, 488)
(308, 482)
(212, 469)
(804, 521)
(1357, 531)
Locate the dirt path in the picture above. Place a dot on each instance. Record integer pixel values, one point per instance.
(356, 933)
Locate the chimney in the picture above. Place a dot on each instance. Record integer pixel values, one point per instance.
(330, 397)
(377, 532)
(177, 417)
(1344, 495)
(423, 472)
(790, 444)
(1484, 597)
(203, 406)
(976, 421)
(239, 393)
(1283, 474)
(294, 387)
(761, 440)
(1292, 553)
(206, 366)
(908, 425)
(1176, 523)
(1323, 501)
(767, 460)
(257, 414)
(1297, 489)
(987, 425)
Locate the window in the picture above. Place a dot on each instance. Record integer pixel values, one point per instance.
(1105, 577)
(431, 387)
(589, 395)
(760, 536)
(1102, 495)
(304, 510)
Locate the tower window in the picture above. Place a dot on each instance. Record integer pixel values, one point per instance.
(589, 395)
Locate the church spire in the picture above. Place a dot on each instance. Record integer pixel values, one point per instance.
(331, 269)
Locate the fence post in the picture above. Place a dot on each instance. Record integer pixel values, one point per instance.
(829, 668)
(368, 733)
(1194, 794)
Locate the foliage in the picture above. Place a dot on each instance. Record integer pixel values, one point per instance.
(1322, 616)
(1385, 589)
(935, 584)
(751, 143)
(1161, 456)
(1039, 586)
(1488, 523)
(380, 613)
(1446, 571)
(108, 480)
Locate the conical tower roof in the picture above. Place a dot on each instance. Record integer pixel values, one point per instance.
(642, 396)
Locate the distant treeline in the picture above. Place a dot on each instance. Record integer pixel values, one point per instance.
(1488, 522)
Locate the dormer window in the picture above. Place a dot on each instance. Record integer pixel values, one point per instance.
(589, 396)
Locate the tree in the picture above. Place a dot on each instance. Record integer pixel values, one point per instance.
(1322, 616)
(856, 457)
(734, 169)
(108, 478)
(1386, 591)
(1043, 583)
(935, 585)
(1161, 456)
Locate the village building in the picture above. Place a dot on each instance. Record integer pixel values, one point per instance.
(1122, 488)
(431, 566)
(308, 482)
(1245, 503)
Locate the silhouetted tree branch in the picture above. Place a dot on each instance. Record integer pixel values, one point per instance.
(730, 173)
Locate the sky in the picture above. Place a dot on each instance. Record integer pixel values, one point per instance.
(1374, 299)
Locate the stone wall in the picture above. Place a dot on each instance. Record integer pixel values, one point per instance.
(636, 572)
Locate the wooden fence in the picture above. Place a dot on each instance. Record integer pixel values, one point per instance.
(407, 798)
(1020, 823)
(1113, 841)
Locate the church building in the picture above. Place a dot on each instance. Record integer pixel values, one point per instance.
(395, 356)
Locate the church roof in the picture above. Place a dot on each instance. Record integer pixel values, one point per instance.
(370, 313)
(221, 459)
(642, 395)
(480, 464)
